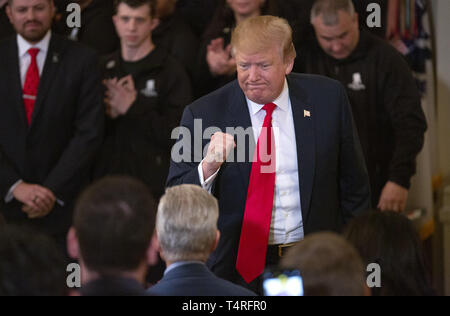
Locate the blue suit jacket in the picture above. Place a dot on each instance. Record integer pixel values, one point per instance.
(334, 183)
(195, 279)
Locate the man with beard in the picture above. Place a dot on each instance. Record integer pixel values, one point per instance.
(51, 118)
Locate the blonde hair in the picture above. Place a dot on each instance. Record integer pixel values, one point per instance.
(258, 34)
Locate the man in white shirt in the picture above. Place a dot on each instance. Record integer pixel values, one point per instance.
(51, 118)
(319, 180)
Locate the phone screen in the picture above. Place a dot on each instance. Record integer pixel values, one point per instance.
(283, 283)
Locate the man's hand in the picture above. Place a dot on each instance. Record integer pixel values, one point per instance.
(120, 96)
(220, 147)
(219, 59)
(38, 201)
(393, 198)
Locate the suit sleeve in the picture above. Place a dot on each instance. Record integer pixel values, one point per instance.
(8, 176)
(354, 178)
(403, 103)
(184, 157)
(88, 126)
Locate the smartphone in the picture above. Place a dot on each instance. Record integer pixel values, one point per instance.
(282, 283)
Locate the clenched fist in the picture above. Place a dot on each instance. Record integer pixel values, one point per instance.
(220, 147)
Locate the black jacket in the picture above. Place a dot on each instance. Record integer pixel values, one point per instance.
(6, 28)
(195, 279)
(177, 38)
(138, 144)
(386, 105)
(57, 150)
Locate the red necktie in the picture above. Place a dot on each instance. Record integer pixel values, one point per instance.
(252, 251)
(31, 85)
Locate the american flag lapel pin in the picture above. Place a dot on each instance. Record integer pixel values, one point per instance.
(55, 58)
(306, 113)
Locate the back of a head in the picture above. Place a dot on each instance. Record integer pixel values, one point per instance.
(261, 33)
(328, 264)
(30, 264)
(328, 10)
(390, 240)
(114, 223)
(187, 223)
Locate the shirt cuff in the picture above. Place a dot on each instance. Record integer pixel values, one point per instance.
(9, 197)
(208, 183)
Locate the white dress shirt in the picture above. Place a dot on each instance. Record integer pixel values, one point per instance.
(25, 58)
(24, 62)
(287, 222)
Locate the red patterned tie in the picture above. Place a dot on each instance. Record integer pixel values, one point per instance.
(251, 257)
(31, 85)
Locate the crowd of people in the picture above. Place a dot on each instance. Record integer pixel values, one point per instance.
(88, 146)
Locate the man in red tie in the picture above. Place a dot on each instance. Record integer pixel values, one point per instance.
(307, 173)
(51, 119)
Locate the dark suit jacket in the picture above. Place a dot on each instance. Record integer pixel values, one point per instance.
(108, 286)
(334, 184)
(6, 28)
(56, 150)
(195, 279)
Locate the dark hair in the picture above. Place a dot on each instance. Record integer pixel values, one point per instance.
(136, 4)
(30, 264)
(328, 264)
(114, 223)
(390, 240)
(224, 18)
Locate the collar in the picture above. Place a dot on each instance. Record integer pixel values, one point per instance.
(281, 102)
(181, 263)
(24, 46)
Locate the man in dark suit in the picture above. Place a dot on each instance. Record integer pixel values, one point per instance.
(186, 227)
(51, 120)
(313, 178)
(113, 237)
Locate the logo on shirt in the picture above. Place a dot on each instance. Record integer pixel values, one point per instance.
(357, 83)
(111, 64)
(150, 90)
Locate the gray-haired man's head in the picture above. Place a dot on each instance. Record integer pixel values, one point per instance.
(186, 224)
